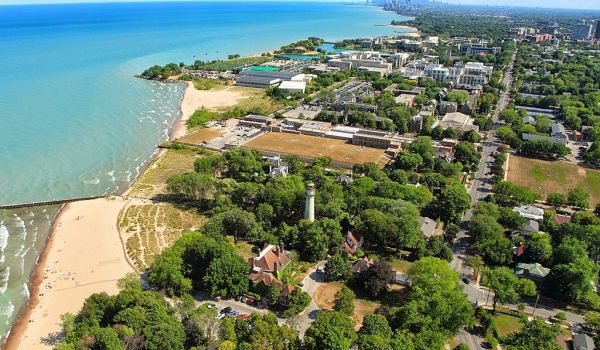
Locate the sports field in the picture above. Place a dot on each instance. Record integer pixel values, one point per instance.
(546, 177)
(311, 147)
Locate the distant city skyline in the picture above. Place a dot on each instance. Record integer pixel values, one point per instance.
(571, 4)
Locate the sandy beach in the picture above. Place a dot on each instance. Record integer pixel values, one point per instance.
(84, 255)
(194, 99)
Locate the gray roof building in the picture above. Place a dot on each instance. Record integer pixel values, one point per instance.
(529, 120)
(583, 342)
(553, 139)
(531, 226)
(558, 130)
(428, 227)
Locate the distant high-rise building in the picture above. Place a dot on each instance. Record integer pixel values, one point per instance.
(597, 36)
(581, 32)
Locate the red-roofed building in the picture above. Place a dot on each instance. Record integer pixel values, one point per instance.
(272, 259)
(352, 243)
(521, 249)
(268, 267)
(560, 219)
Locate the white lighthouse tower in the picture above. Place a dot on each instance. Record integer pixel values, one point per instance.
(309, 207)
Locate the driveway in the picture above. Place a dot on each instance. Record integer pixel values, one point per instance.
(311, 283)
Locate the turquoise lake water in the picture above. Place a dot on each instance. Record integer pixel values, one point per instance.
(73, 120)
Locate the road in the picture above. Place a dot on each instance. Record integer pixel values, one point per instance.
(480, 188)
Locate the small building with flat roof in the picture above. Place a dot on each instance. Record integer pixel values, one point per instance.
(406, 99)
(294, 87)
(375, 139)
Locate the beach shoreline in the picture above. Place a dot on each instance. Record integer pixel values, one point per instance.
(68, 271)
(20, 327)
(35, 281)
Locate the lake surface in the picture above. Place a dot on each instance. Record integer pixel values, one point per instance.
(73, 120)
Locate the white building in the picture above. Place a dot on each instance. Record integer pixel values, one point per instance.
(459, 121)
(530, 212)
(293, 86)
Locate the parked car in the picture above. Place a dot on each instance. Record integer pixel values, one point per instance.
(321, 269)
(226, 310)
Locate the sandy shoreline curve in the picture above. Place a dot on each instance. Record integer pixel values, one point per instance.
(67, 273)
(83, 255)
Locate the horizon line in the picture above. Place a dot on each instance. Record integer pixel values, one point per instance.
(357, 2)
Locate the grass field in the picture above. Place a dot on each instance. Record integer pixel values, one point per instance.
(313, 147)
(255, 99)
(235, 63)
(149, 227)
(325, 299)
(200, 136)
(507, 324)
(546, 177)
(154, 180)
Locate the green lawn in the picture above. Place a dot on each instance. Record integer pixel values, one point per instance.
(235, 63)
(399, 265)
(507, 324)
(545, 177)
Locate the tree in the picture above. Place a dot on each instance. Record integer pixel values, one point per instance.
(330, 330)
(569, 250)
(377, 278)
(263, 333)
(506, 286)
(106, 338)
(460, 97)
(423, 146)
(556, 199)
(578, 197)
(297, 301)
(437, 307)
(573, 281)
(452, 202)
(344, 301)
(538, 249)
(374, 324)
(193, 186)
(238, 223)
(508, 194)
(312, 242)
(166, 274)
(408, 161)
(471, 136)
(467, 154)
(534, 335)
(227, 275)
(375, 227)
(476, 263)
(337, 268)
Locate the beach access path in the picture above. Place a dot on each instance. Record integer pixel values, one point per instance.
(84, 256)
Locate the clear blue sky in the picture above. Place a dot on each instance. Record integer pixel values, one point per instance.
(582, 4)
